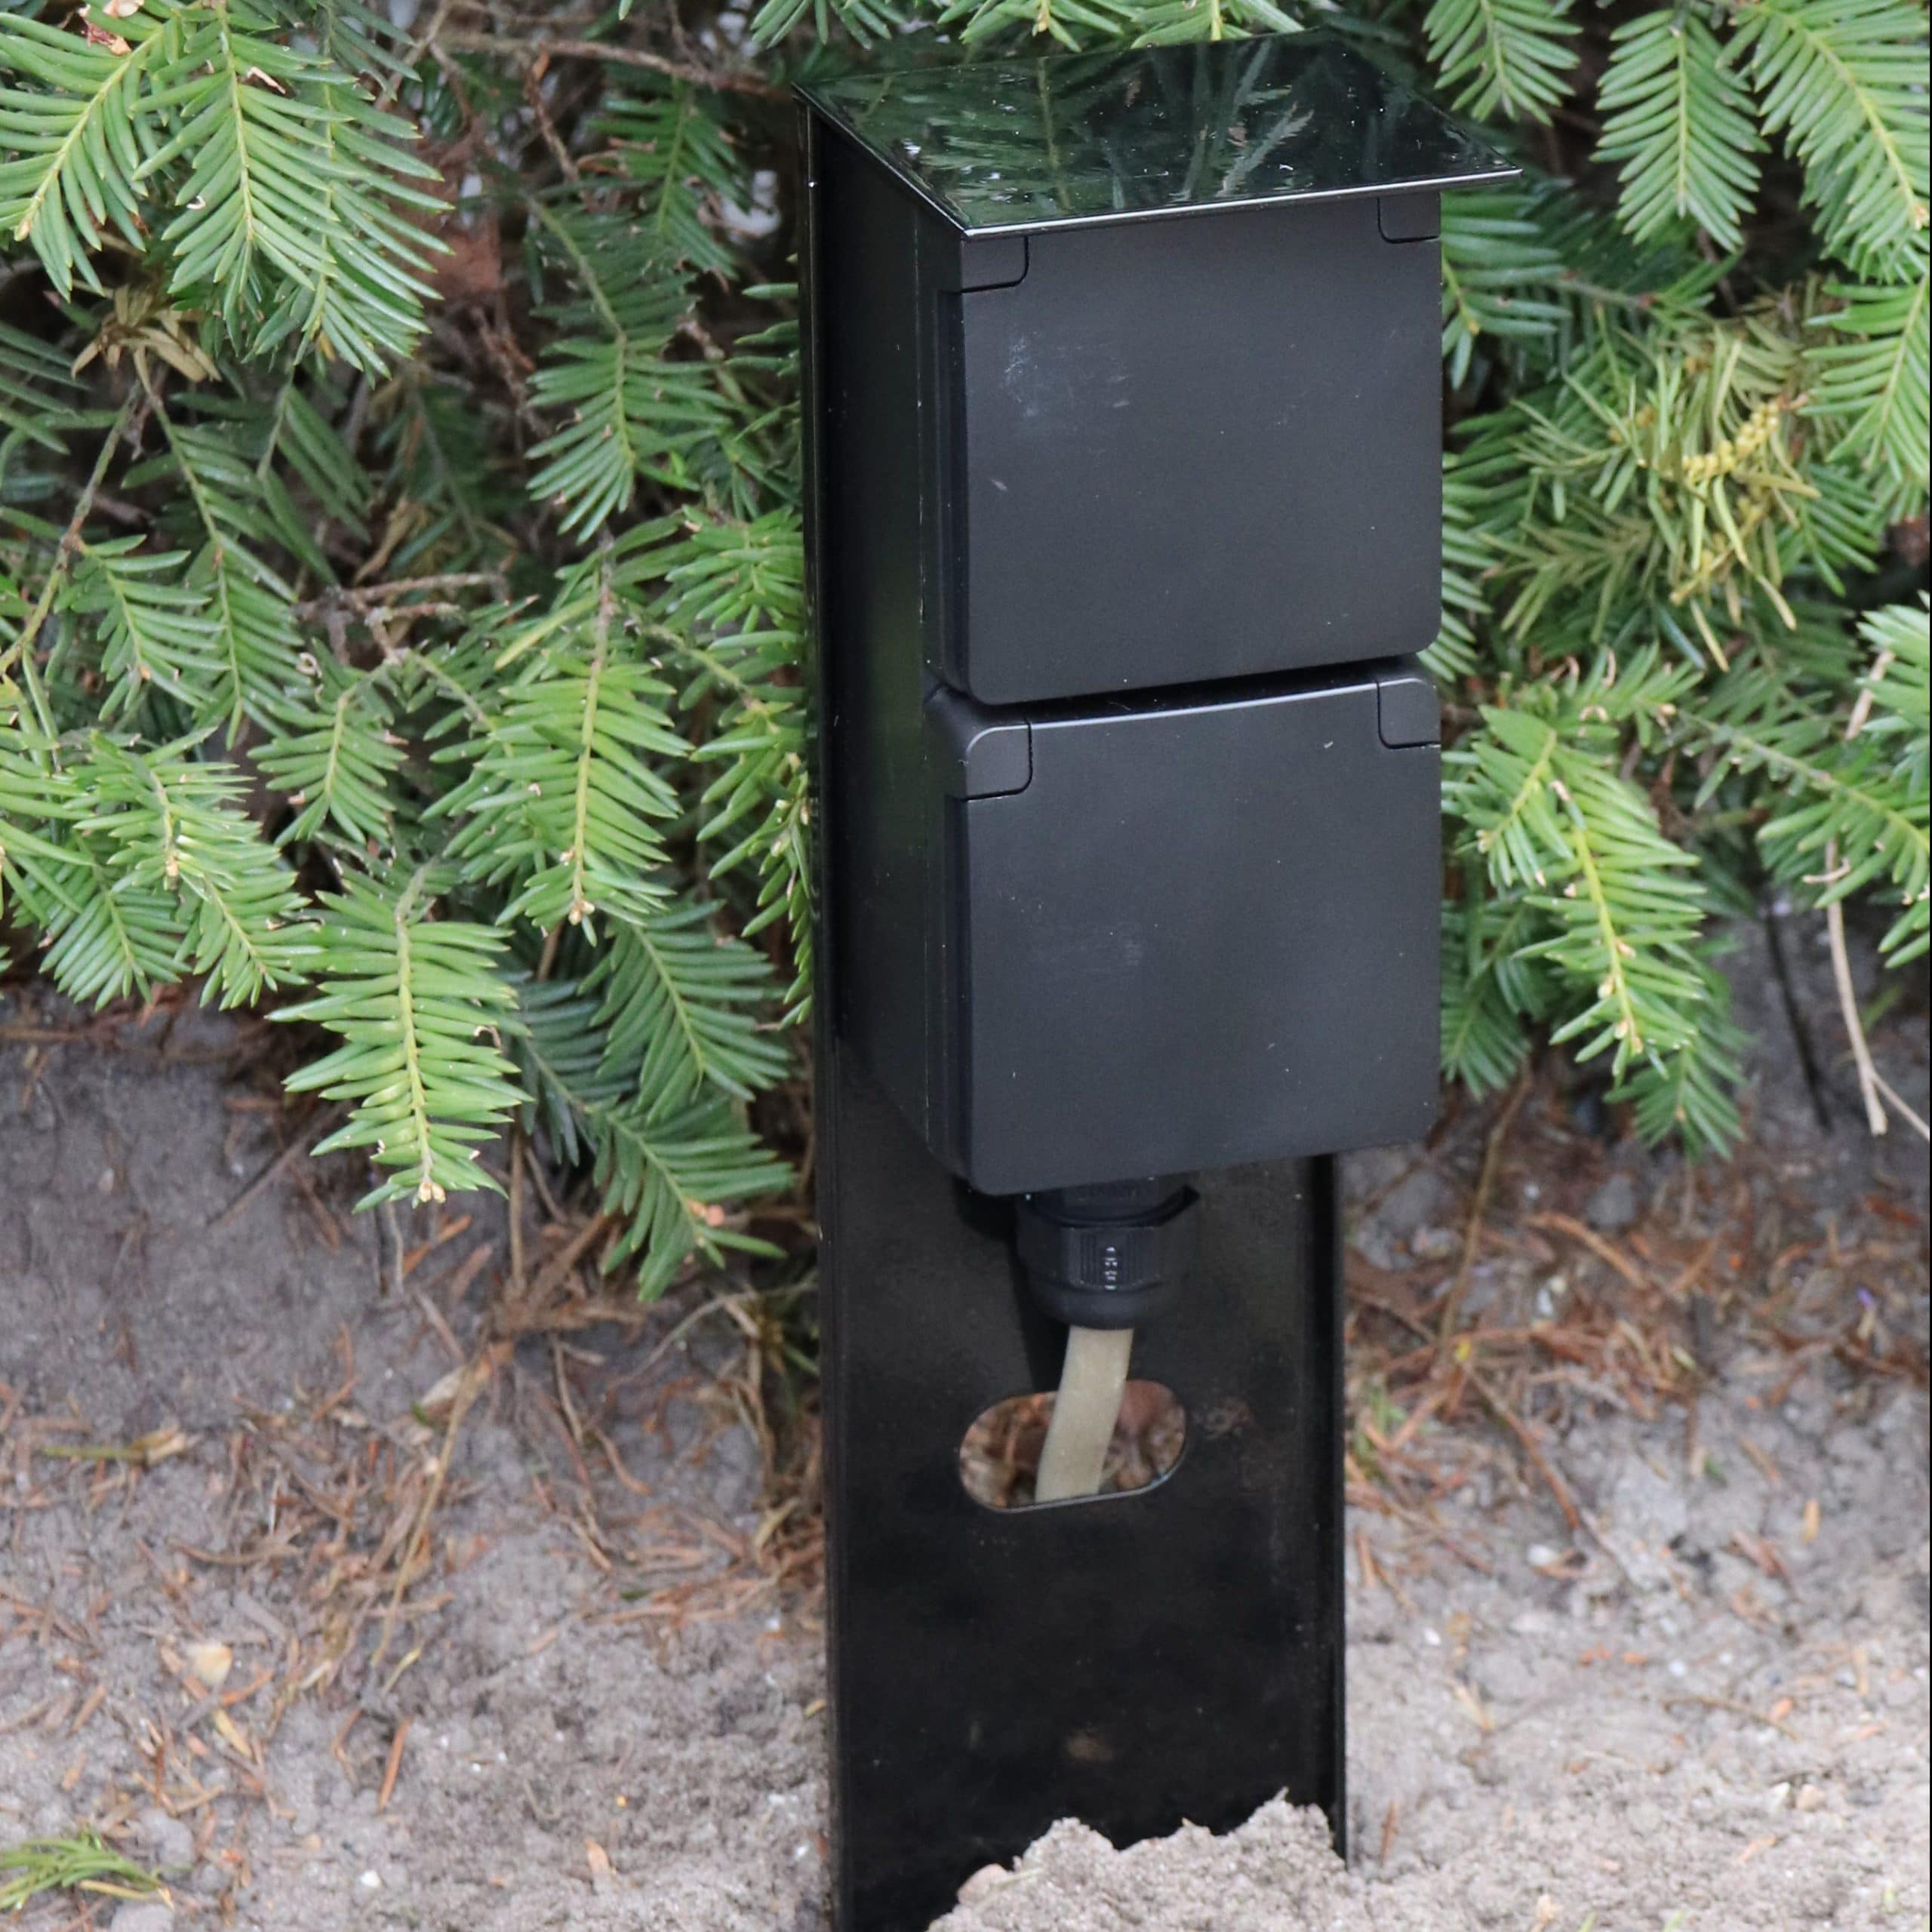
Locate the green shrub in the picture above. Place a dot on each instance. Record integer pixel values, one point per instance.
(402, 573)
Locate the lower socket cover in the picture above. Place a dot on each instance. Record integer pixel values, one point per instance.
(1187, 934)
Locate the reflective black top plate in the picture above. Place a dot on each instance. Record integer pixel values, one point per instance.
(1084, 138)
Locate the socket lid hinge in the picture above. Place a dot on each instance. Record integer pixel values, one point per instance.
(976, 752)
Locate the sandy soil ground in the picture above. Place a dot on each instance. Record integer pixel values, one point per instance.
(351, 1592)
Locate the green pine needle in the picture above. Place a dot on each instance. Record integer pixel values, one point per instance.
(1871, 378)
(1680, 122)
(1843, 81)
(1512, 57)
(81, 1861)
(414, 998)
(403, 585)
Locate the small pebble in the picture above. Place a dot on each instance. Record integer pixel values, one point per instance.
(1615, 1206)
(150, 1915)
(986, 1881)
(169, 1840)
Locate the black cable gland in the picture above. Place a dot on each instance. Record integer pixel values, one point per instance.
(1115, 1256)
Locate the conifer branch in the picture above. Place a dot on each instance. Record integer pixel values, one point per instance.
(471, 509)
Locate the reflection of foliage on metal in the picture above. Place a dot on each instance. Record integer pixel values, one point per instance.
(1145, 130)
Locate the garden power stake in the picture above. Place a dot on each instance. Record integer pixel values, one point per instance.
(1124, 421)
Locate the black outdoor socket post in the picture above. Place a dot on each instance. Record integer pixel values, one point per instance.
(1124, 421)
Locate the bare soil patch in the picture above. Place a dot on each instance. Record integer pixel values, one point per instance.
(361, 1578)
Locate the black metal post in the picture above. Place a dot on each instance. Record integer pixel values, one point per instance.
(1173, 1654)
(1120, 530)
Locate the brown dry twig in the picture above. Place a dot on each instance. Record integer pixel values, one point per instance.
(393, 1767)
(1568, 1225)
(1492, 1161)
(1874, 1089)
(617, 54)
(313, 1130)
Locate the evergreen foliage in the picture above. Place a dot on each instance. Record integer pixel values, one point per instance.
(402, 586)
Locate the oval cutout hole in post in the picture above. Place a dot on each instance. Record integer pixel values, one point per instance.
(1000, 1457)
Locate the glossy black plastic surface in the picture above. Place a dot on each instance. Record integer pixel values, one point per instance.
(1205, 933)
(1138, 1661)
(1181, 451)
(1007, 144)
(1092, 936)
(1101, 459)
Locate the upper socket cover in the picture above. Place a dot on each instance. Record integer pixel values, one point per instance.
(1178, 358)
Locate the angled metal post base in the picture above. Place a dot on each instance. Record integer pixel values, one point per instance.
(1137, 1661)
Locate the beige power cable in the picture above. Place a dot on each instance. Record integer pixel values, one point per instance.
(1092, 1380)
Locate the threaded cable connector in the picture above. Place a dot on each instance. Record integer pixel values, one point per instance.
(1107, 1257)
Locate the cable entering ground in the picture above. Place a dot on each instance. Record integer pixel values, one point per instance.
(1091, 1383)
